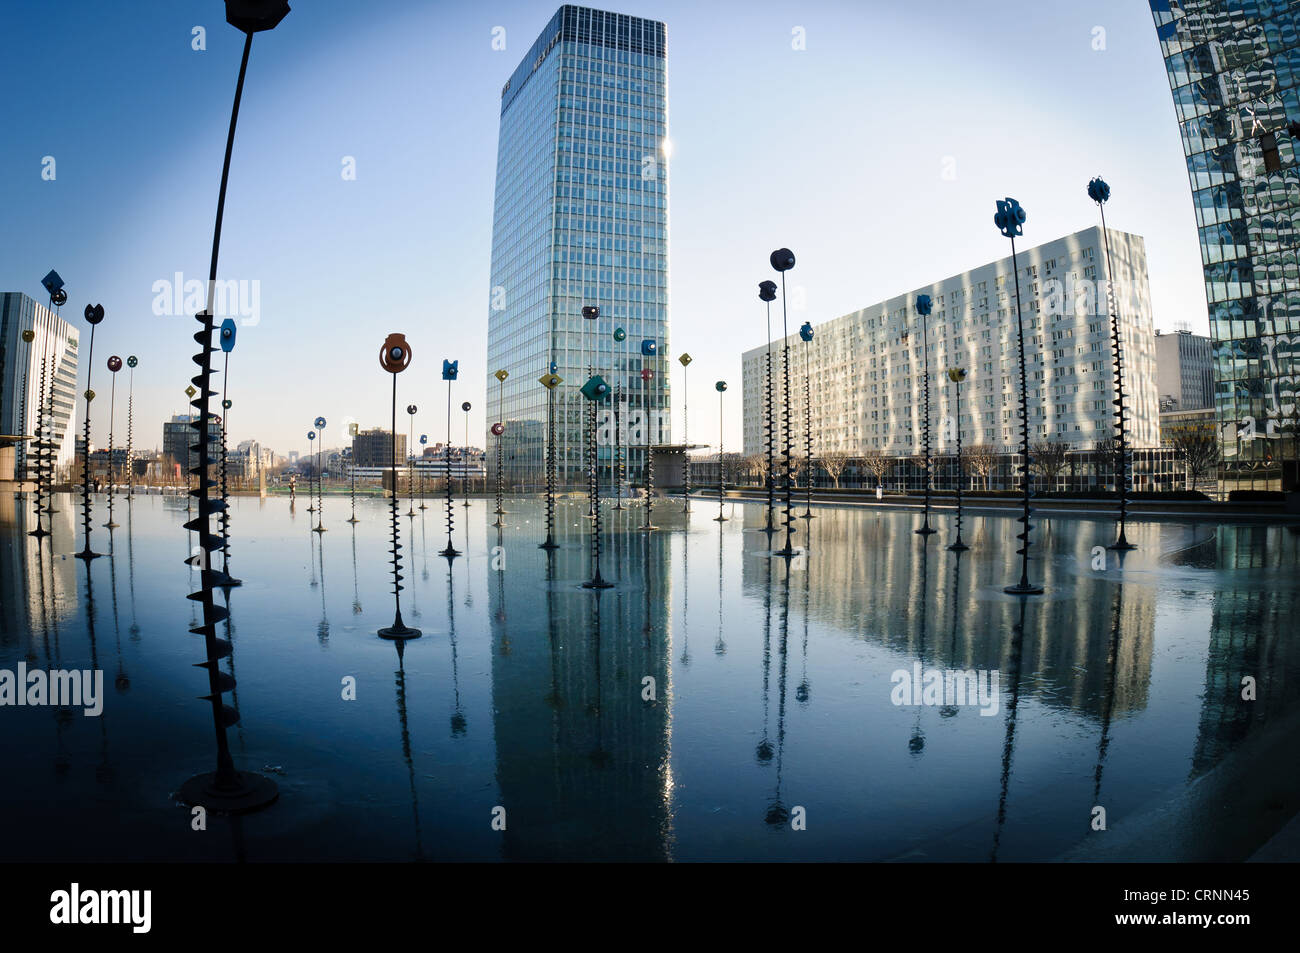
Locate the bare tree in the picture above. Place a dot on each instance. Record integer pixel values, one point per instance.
(756, 465)
(981, 460)
(834, 462)
(1200, 449)
(878, 463)
(1047, 459)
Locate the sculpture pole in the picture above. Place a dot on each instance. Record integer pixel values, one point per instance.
(806, 335)
(620, 465)
(550, 382)
(224, 789)
(114, 365)
(1010, 218)
(353, 430)
(1099, 192)
(923, 308)
(595, 389)
(782, 260)
(685, 361)
(720, 386)
(767, 294)
(648, 350)
(424, 439)
(131, 362)
(957, 375)
(395, 357)
(94, 314)
(498, 429)
(227, 345)
(410, 457)
(450, 370)
(464, 459)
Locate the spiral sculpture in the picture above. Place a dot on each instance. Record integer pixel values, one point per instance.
(550, 382)
(806, 335)
(1099, 192)
(767, 294)
(94, 314)
(782, 260)
(595, 390)
(646, 374)
(957, 375)
(923, 308)
(395, 357)
(131, 362)
(39, 444)
(450, 371)
(1009, 219)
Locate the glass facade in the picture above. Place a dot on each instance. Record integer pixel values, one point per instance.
(55, 345)
(581, 219)
(1234, 69)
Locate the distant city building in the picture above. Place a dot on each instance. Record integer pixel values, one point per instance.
(581, 218)
(867, 367)
(1184, 371)
(1176, 422)
(374, 448)
(55, 346)
(1234, 71)
(179, 437)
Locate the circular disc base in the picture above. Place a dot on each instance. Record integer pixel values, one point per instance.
(399, 632)
(1125, 546)
(958, 547)
(1019, 590)
(719, 519)
(42, 531)
(87, 555)
(925, 531)
(548, 545)
(319, 529)
(111, 525)
(252, 791)
(354, 520)
(597, 583)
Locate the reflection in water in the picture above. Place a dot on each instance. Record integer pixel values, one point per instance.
(1123, 684)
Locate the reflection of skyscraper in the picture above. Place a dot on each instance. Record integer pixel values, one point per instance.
(582, 757)
(581, 218)
(1234, 70)
(20, 363)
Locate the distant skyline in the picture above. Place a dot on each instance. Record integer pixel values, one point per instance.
(875, 152)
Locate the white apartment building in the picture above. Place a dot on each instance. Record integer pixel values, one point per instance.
(55, 347)
(867, 368)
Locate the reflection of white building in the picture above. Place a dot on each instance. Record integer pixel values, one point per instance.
(867, 367)
(55, 346)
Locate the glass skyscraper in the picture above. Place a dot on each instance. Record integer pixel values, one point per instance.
(581, 219)
(1234, 68)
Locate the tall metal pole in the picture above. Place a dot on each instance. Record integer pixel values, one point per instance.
(806, 335)
(114, 365)
(320, 478)
(1009, 219)
(1099, 192)
(783, 260)
(94, 314)
(131, 362)
(450, 370)
(395, 357)
(685, 361)
(923, 309)
(464, 458)
(957, 375)
(767, 294)
(720, 387)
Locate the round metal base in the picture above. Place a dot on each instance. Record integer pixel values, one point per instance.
(498, 525)
(87, 555)
(111, 525)
(311, 509)
(597, 583)
(719, 518)
(647, 529)
(227, 581)
(1028, 589)
(399, 632)
(39, 532)
(249, 793)
(925, 531)
(548, 545)
(958, 547)
(319, 529)
(450, 552)
(1122, 546)
(353, 519)
(809, 516)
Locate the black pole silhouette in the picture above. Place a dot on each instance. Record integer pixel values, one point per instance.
(957, 375)
(464, 460)
(1099, 192)
(352, 472)
(320, 478)
(451, 552)
(783, 260)
(498, 430)
(94, 314)
(767, 294)
(227, 344)
(114, 365)
(131, 362)
(42, 452)
(224, 789)
(720, 386)
(410, 457)
(594, 390)
(311, 479)
(550, 382)
(1009, 740)
(923, 308)
(685, 361)
(28, 336)
(806, 335)
(1009, 219)
(395, 357)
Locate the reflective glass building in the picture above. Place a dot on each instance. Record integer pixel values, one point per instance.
(581, 219)
(1234, 68)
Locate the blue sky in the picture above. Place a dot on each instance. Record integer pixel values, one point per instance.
(836, 150)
